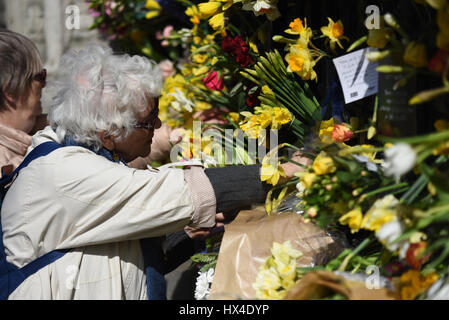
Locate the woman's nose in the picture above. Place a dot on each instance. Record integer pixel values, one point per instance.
(158, 123)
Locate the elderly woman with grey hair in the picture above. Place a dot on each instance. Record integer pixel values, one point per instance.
(82, 213)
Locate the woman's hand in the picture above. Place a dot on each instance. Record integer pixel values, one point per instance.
(290, 168)
(204, 233)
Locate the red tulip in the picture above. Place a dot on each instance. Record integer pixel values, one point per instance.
(214, 81)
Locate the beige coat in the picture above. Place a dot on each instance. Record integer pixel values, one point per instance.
(75, 199)
(13, 146)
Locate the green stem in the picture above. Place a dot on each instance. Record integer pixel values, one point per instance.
(385, 189)
(362, 246)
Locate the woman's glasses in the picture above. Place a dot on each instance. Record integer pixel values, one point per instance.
(151, 123)
(41, 77)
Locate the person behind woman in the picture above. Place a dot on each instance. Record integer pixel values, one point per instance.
(84, 198)
(21, 82)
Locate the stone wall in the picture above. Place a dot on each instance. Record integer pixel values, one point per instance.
(44, 22)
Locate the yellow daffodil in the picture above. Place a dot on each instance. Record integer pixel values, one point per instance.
(217, 22)
(353, 219)
(267, 91)
(323, 165)
(285, 252)
(326, 129)
(194, 14)
(253, 47)
(278, 273)
(210, 8)
(301, 62)
(154, 9)
(281, 116)
(383, 211)
(378, 38)
(200, 58)
(268, 279)
(416, 55)
(152, 5)
(296, 27)
(235, 117)
(271, 173)
(250, 125)
(335, 33)
(264, 119)
(226, 4)
(308, 180)
(413, 283)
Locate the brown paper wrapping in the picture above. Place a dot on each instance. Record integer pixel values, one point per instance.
(248, 240)
(319, 284)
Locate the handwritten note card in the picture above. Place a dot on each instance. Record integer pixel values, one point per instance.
(358, 76)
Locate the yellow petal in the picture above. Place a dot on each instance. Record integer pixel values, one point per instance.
(152, 14)
(209, 8)
(152, 5)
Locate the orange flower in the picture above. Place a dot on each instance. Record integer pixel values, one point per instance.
(342, 133)
(414, 255)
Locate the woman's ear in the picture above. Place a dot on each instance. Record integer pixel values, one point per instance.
(106, 140)
(9, 99)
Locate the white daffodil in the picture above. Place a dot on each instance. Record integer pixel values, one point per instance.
(267, 7)
(389, 232)
(399, 160)
(181, 101)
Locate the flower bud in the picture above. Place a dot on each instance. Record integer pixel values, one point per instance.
(357, 192)
(312, 212)
(428, 95)
(282, 39)
(376, 56)
(437, 4)
(391, 21)
(390, 69)
(371, 132)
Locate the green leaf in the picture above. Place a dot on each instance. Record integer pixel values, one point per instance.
(438, 180)
(236, 89)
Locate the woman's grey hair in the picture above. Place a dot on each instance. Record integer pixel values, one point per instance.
(99, 91)
(20, 61)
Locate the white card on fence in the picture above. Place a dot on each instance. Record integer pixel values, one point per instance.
(358, 76)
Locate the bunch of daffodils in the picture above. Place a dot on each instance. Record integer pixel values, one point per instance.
(303, 55)
(278, 273)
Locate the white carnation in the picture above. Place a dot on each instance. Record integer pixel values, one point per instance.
(399, 160)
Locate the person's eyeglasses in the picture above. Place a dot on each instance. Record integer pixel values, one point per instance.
(41, 77)
(151, 123)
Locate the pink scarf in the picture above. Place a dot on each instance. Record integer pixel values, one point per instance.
(13, 146)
